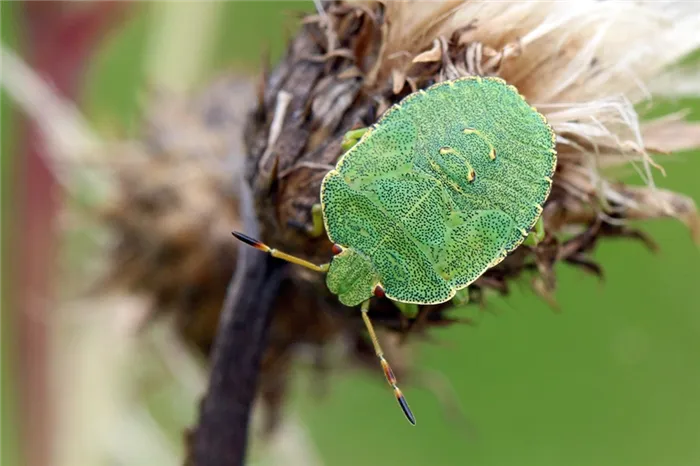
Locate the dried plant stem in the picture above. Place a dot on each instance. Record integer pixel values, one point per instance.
(221, 435)
(182, 35)
(69, 139)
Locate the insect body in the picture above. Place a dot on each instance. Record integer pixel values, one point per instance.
(442, 187)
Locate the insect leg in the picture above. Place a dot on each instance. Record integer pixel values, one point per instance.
(279, 254)
(317, 221)
(461, 297)
(388, 373)
(351, 138)
(537, 234)
(317, 228)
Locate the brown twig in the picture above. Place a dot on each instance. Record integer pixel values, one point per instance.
(221, 435)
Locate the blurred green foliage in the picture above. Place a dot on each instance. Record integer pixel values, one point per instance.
(247, 31)
(9, 448)
(611, 380)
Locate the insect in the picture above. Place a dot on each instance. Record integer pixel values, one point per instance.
(446, 184)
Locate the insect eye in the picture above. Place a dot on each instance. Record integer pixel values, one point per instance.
(336, 249)
(379, 291)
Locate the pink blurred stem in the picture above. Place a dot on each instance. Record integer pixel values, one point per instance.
(60, 38)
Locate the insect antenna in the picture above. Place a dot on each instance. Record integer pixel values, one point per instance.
(388, 373)
(278, 254)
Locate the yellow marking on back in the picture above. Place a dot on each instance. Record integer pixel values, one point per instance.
(492, 153)
(455, 186)
(449, 150)
(492, 150)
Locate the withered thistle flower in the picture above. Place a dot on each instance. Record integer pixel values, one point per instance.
(585, 65)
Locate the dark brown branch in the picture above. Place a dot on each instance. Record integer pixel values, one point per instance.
(221, 435)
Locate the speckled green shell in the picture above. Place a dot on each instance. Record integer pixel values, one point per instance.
(442, 187)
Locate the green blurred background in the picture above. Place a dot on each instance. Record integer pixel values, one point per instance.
(9, 450)
(614, 379)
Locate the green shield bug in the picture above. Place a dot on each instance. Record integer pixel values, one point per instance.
(446, 184)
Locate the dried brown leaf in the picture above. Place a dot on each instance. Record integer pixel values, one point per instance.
(398, 79)
(432, 55)
(671, 136)
(648, 203)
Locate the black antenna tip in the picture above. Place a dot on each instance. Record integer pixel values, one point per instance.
(406, 410)
(248, 240)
